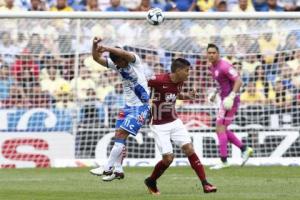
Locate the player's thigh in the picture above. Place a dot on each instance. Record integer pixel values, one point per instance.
(226, 117)
(134, 119)
(162, 136)
(180, 135)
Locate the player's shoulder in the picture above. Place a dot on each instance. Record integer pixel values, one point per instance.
(225, 65)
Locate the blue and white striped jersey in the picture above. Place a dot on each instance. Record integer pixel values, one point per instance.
(134, 80)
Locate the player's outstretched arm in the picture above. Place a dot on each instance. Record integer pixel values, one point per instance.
(191, 95)
(97, 51)
(121, 53)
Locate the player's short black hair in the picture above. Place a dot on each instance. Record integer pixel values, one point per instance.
(114, 57)
(179, 63)
(210, 45)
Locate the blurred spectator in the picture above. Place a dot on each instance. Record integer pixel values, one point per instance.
(131, 4)
(296, 79)
(185, 5)
(6, 82)
(37, 5)
(289, 5)
(283, 99)
(17, 98)
(64, 99)
(92, 5)
(61, 5)
(250, 64)
(53, 82)
(115, 98)
(145, 5)
(8, 48)
(92, 110)
(25, 64)
(252, 96)
(170, 7)
(262, 83)
(82, 84)
(104, 85)
(272, 7)
(243, 73)
(295, 63)
(219, 6)
(205, 5)
(35, 46)
(115, 5)
(286, 78)
(260, 5)
(290, 44)
(38, 98)
(268, 46)
(10, 6)
(243, 6)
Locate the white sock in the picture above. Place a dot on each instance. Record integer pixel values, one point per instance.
(119, 161)
(114, 155)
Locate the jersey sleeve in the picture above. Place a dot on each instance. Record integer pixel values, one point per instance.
(110, 64)
(231, 72)
(153, 81)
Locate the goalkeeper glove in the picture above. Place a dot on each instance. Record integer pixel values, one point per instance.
(228, 101)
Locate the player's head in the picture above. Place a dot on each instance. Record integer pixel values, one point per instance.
(212, 53)
(120, 62)
(180, 68)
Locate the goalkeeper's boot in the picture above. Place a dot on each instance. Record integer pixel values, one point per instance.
(99, 171)
(220, 166)
(208, 188)
(113, 176)
(246, 155)
(152, 187)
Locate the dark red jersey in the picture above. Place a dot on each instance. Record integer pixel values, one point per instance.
(164, 94)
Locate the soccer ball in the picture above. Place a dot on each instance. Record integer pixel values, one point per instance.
(155, 16)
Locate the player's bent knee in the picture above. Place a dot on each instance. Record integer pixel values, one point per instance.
(168, 159)
(121, 134)
(188, 149)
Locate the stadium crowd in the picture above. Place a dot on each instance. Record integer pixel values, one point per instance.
(144, 5)
(37, 63)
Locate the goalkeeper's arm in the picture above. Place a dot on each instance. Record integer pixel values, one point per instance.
(228, 101)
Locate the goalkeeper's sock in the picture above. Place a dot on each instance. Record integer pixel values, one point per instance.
(119, 161)
(158, 170)
(233, 139)
(198, 167)
(222, 137)
(115, 153)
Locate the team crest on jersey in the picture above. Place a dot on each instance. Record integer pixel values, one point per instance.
(170, 97)
(216, 73)
(233, 72)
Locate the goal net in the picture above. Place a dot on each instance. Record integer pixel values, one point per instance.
(54, 98)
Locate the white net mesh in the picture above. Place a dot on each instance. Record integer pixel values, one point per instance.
(39, 78)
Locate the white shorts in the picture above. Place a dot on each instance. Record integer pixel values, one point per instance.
(174, 131)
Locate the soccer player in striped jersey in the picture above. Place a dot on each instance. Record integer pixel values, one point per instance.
(229, 85)
(166, 126)
(137, 108)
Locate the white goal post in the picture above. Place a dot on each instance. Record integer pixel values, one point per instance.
(54, 98)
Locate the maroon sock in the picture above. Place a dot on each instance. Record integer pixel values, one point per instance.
(197, 166)
(158, 170)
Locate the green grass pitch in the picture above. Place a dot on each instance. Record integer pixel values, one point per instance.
(178, 183)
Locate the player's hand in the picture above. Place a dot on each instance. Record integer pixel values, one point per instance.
(97, 47)
(212, 97)
(228, 101)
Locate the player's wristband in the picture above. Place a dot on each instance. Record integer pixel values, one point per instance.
(232, 95)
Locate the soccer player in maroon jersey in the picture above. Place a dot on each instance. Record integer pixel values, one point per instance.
(166, 126)
(229, 85)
